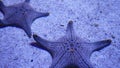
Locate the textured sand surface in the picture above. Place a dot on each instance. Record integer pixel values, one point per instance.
(94, 20)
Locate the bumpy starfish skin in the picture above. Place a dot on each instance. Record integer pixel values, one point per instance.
(70, 51)
(20, 15)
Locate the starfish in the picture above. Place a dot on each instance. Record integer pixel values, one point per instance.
(70, 51)
(20, 15)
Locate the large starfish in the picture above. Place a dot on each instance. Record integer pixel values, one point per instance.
(20, 15)
(70, 51)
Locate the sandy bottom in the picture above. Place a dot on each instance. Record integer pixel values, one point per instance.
(94, 20)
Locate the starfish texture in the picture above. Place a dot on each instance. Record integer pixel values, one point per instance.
(20, 15)
(70, 51)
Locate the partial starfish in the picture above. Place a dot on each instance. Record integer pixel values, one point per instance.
(70, 51)
(20, 15)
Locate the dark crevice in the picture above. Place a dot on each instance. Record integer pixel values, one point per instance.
(71, 66)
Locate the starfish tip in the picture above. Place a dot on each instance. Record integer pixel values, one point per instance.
(29, 36)
(46, 14)
(33, 43)
(70, 22)
(35, 35)
(109, 41)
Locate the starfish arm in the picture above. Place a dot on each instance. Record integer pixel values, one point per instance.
(34, 15)
(46, 45)
(40, 14)
(88, 48)
(99, 45)
(2, 7)
(70, 31)
(41, 47)
(27, 29)
(27, 1)
(41, 41)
